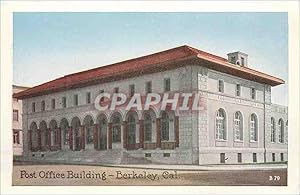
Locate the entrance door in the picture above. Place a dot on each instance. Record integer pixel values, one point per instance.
(131, 135)
(103, 136)
(77, 136)
(131, 129)
(103, 142)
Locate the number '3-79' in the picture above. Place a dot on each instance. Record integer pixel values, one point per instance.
(274, 178)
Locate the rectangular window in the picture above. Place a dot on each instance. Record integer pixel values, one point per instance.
(88, 97)
(242, 61)
(252, 131)
(64, 102)
(167, 85)
(75, 100)
(131, 90)
(222, 157)
(116, 90)
(33, 107)
(53, 103)
(232, 59)
(147, 154)
(272, 130)
(221, 86)
(254, 158)
(238, 129)
(281, 157)
(167, 154)
(149, 87)
(220, 127)
(16, 136)
(253, 93)
(164, 130)
(273, 157)
(15, 115)
(43, 105)
(238, 90)
(239, 157)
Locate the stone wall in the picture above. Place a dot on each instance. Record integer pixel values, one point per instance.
(197, 140)
(186, 153)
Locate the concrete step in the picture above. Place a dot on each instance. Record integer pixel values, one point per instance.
(129, 159)
(113, 156)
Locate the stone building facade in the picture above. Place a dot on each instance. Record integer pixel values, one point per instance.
(237, 122)
(17, 122)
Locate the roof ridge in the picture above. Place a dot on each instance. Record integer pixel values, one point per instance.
(201, 52)
(131, 60)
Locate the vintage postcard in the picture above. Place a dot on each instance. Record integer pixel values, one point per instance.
(152, 97)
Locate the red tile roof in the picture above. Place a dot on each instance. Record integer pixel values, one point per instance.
(160, 61)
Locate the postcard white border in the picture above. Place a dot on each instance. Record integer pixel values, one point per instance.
(7, 9)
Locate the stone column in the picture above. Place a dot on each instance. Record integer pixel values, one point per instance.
(125, 134)
(49, 138)
(59, 137)
(71, 138)
(142, 133)
(176, 131)
(96, 144)
(158, 133)
(30, 139)
(110, 135)
(83, 128)
(39, 139)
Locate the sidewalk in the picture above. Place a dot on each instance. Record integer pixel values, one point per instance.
(208, 167)
(219, 167)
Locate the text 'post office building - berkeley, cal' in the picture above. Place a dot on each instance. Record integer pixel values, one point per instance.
(237, 122)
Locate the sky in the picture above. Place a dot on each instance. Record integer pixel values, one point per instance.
(50, 45)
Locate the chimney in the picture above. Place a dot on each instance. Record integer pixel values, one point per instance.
(238, 58)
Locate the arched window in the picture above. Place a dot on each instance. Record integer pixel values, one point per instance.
(238, 126)
(165, 126)
(273, 131)
(280, 131)
(116, 130)
(131, 129)
(148, 127)
(253, 127)
(34, 137)
(221, 125)
(44, 133)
